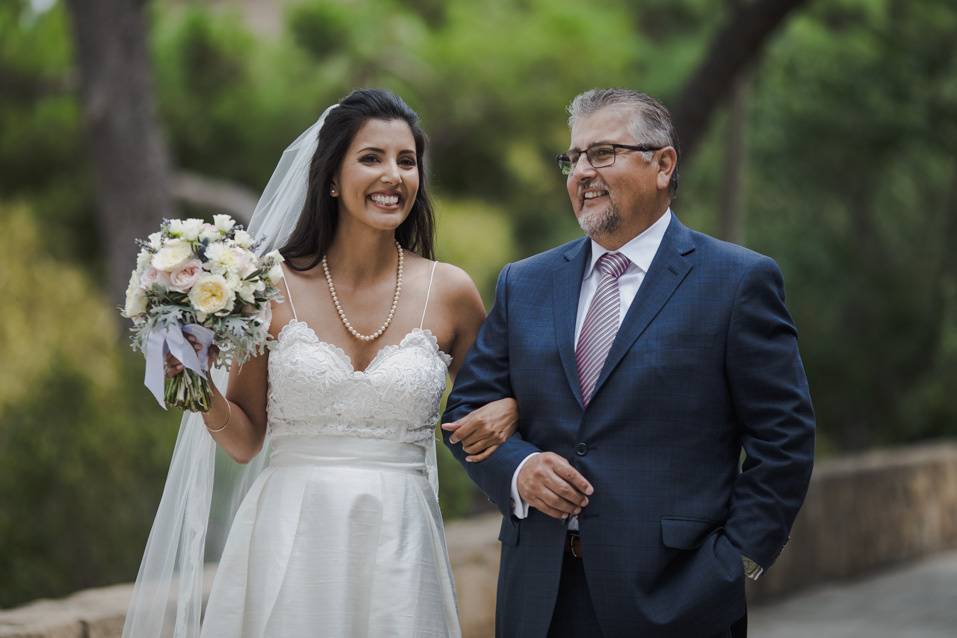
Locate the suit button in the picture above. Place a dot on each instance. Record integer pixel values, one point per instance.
(581, 449)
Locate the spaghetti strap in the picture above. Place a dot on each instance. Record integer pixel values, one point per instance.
(285, 283)
(428, 293)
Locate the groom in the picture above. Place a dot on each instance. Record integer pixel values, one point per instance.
(644, 359)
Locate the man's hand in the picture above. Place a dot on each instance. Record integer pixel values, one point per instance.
(484, 430)
(551, 485)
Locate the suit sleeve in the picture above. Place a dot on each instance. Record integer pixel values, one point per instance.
(483, 378)
(772, 403)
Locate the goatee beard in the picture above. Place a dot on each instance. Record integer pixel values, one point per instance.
(601, 222)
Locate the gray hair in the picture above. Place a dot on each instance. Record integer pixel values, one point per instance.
(651, 124)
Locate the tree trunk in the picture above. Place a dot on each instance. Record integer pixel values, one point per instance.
(129, 155)
(733, 48)
(731, 206)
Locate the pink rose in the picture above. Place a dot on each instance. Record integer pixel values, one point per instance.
(153, 276)
(245, 262)
(184, 278)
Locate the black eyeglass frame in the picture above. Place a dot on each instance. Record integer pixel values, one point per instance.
(566, 165)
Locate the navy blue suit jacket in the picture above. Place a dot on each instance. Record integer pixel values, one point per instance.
(705, 364)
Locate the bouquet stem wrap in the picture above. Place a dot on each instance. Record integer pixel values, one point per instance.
(190, 390)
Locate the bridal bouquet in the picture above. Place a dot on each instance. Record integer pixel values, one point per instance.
(200, 279)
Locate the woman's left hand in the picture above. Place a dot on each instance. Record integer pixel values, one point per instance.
(482, 432)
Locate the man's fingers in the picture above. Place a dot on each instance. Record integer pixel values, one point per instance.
(549, 511)
(478, 446)
(555, 502)
(476, 435)
(573, 477)
(567, 491)
(478, 458)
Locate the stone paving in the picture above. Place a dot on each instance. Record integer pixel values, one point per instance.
(917, 600)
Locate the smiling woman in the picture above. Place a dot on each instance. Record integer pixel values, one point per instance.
(342, 527)
(372, 144)
(377, 186)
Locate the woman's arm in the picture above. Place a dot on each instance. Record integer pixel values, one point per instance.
(238, 422)
(482, 431)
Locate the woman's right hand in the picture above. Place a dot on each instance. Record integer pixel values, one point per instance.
(174, 366)
(483, 431)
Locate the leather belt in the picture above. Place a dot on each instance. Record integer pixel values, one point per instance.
(573, 545)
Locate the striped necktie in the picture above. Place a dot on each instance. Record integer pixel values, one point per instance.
(601, 323)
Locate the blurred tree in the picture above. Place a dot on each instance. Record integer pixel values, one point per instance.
(731, 51)
(854, 190)
(731, 196)
(41, 155)
(127, 147)
(83, 449)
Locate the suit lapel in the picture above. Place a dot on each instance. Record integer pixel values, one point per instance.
(566, 285)
(668, 269)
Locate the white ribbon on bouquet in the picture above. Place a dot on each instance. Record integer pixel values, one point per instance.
(171, 339)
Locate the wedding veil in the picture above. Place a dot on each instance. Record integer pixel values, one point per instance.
(168, 595)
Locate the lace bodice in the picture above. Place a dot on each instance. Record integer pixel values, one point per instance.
(313, 388)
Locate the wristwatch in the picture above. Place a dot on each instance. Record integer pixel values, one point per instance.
(751, 569)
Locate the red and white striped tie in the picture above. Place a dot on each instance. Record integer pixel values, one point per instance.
(601, 323)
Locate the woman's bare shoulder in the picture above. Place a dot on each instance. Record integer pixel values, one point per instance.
(456, 288)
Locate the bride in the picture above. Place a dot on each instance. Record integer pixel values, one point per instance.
(340, 534)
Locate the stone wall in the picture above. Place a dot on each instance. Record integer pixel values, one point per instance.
(866, 512)
(863, 512)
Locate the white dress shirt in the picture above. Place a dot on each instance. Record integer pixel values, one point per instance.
(640, 251)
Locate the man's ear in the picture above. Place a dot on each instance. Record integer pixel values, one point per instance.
(667, 163)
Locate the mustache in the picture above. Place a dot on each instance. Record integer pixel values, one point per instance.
(583, 186)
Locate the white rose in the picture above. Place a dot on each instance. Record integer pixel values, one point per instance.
(188, 229)
(247, 290)
(245, 262)
(221, 258)
(209, 234)
(274, 275)
(243, 239)
(172, 256)
(275, 255)
(135, 299)
(223, 223)
(155, 240)
(233, 281)
(210, 294)
(184, 278)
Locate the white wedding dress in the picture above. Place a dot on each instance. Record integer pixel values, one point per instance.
(341, 534)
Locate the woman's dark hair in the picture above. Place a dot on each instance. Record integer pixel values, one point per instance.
(319, 218)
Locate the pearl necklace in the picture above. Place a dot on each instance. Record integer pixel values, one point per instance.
(342, 315)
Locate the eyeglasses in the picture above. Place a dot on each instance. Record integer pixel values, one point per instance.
(599, 156)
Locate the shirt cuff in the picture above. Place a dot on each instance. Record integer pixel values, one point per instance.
(519, 506)
(751, 569)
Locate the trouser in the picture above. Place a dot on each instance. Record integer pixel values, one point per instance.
(574, 614)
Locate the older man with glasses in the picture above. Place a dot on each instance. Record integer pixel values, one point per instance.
(644, 358)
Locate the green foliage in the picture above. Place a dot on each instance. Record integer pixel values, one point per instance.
(83, 448)
(41, 153)
(82, 475)
(853, 191)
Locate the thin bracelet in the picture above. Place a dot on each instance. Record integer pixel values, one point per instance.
(229, 415)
